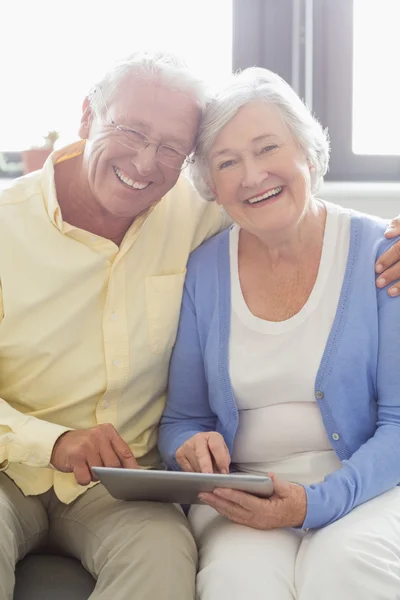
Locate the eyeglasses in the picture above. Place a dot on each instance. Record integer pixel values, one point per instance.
(134, 140)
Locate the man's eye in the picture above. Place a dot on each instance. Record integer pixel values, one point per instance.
(169, 152)
(136, 137)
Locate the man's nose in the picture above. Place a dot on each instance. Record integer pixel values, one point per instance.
(145, 159)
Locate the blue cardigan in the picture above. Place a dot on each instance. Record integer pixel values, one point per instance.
(357, 386)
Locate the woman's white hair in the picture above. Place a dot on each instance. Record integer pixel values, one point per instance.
(246, 86)
(164, 68)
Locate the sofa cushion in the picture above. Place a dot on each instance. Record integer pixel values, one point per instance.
(48, 577)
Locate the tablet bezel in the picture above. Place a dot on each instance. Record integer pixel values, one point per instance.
(176, 486)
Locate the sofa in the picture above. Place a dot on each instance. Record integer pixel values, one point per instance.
(52, 577)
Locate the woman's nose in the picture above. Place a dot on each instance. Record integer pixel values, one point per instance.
(253, 173)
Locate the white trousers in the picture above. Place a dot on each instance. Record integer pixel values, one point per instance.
(355, 558)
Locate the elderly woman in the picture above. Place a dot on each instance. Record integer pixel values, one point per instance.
(287, 363)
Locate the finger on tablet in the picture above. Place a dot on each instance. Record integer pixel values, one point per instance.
(82, 473)
(219, 453)
(123, 452)
(203, 456)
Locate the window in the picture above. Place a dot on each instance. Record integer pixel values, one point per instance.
(376, 52)
(52, 52)
(355, 77)
(341, 56)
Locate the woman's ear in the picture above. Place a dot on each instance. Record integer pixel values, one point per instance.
(86, 120)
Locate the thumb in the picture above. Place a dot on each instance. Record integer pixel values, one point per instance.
(281, 487)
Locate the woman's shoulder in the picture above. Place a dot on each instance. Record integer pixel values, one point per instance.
(369, 230)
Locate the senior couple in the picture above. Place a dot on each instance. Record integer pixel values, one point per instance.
(285, 361)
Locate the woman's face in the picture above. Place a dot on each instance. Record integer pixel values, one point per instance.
(259, 172)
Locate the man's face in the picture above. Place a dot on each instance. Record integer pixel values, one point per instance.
(124, 181)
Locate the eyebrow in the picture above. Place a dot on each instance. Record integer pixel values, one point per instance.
(258, 138)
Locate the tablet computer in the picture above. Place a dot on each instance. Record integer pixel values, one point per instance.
(176, 486)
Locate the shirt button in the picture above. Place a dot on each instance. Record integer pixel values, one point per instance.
(106, 404)
(116, 362)
(113, 316)
(319, 395)
(335, 436)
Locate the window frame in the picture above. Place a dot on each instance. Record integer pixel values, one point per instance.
(333, 96)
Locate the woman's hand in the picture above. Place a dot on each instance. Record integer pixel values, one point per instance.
(204, 453)
(286, 508)
(388, 265)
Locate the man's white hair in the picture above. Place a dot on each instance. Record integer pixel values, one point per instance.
(163, 68)
(246, 86)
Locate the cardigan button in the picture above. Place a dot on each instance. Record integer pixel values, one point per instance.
(335, 436)
(319, 395)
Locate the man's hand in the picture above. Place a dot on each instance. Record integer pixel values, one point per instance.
(287, 507)
(388, 265)
(102, 446)
(204, 453)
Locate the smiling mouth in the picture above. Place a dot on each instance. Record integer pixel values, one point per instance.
(266, 196)
(130, 183)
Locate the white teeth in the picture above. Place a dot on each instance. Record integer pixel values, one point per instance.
(268, 194)
(128, 181)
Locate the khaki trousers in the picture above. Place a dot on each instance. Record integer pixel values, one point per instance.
(135, 550)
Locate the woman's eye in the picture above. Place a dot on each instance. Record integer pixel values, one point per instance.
(226, 164)
(266, 149)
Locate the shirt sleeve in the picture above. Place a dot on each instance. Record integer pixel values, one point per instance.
(375, 467)
(25, 439)
(188, 411)
(1, 306)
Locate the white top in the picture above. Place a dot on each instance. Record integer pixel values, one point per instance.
(273, 367)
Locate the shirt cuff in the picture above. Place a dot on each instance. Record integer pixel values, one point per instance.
(33, 443)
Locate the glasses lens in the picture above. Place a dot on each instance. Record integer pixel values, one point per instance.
(171, 158)
(131, 138)
(166, 155)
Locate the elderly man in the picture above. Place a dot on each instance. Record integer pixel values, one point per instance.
(92, 261)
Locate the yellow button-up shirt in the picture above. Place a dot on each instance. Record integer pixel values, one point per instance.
(87, 328)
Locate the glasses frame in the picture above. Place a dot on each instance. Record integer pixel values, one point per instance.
(186, 159)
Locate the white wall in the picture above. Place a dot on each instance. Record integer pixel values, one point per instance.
(380, 199)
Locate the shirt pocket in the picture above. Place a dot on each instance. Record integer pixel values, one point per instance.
(163, 299)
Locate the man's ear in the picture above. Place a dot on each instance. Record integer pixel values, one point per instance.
(86, 120)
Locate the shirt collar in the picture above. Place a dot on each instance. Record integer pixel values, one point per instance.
(48, 182)
(50, 194)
